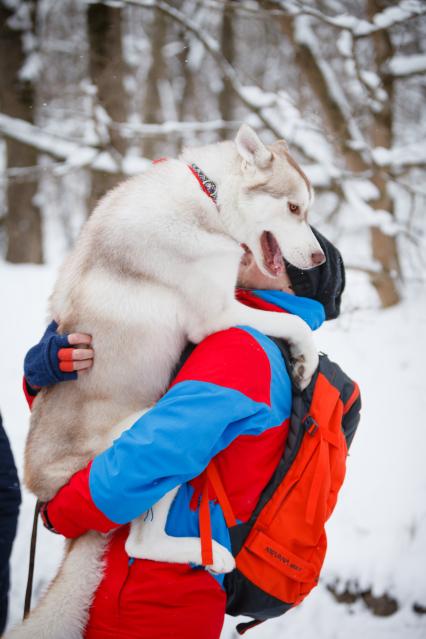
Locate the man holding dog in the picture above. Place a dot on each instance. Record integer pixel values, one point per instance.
(230, 400)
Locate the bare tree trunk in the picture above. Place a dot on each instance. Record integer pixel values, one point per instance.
(188, 107)
(23, 219)
(107, 68)
(384, 247)
(333, 118)
(152, 109)
(227, 45)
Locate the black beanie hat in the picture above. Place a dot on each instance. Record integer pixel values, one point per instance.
(324, 283)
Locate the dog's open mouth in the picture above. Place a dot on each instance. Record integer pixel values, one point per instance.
(272, 256)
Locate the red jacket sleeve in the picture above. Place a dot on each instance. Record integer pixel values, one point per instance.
(72, 511)
(30, 392)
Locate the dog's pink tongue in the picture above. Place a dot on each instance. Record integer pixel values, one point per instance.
(277, 262)
(272, 254)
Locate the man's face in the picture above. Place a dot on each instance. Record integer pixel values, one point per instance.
(250, 276)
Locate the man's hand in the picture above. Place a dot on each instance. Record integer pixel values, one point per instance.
(79, 357)
(72, 511)
(57, 358)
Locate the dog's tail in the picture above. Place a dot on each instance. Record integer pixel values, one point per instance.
(62, 612)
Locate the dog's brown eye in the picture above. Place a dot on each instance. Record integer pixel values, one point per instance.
(294, 208)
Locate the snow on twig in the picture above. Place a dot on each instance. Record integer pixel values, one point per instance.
(306, 37)
(212, 46)
(401, 66)
(410, 156)
(76, 154)
(369, 81)
(265, 105)
(166, 128)
(358, 27)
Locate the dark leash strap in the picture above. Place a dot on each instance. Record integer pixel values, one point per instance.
(29, 589)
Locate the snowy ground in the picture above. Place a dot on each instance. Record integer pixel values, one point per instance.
(377, 536)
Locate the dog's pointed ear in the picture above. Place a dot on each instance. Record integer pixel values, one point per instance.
(251, 149)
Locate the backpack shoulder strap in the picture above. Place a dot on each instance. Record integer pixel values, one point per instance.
(212, 477)
(348, 391)
(301, 401)
(349, 394)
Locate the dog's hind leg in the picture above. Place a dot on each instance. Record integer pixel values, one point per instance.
(63, 611)
(148, 540)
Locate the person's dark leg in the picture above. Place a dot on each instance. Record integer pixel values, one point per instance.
(10, 499)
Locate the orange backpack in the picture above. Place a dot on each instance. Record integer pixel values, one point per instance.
(279, 552)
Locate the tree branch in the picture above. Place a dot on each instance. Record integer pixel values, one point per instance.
(410, 156)
(76, 154)
(404, 66)
(305, 37)
(166, 128)
(212, 46)
(360, 28)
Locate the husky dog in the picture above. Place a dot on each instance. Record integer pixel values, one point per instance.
(155, 266)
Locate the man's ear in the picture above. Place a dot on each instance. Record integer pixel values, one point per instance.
(251, 149)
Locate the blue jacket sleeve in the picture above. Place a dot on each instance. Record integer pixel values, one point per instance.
(171, 444)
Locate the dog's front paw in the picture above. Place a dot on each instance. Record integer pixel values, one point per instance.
(304, 366)
(223, 560)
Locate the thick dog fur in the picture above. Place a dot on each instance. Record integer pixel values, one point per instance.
(62, 612)
(154, 266)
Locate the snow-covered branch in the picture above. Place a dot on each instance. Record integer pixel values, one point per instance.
(368, 80)
(410, 156)
(403, 66)
(330, 92)
(213, 48)
(22, 174)
(75, 154)
(390, 17)
(358, 27)
(78, 154)
(166, 128)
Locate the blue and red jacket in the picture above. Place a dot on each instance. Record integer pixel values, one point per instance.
(230, 400)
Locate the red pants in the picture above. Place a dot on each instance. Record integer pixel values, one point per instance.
(154, 600)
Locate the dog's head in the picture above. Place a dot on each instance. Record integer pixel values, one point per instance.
(273, 202)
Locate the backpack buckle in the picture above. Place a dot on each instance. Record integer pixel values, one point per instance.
(310, 425)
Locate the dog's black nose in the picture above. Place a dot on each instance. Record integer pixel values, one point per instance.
(318, 258)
